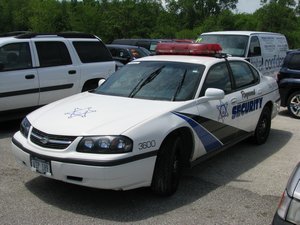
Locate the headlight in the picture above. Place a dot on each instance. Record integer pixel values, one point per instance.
(283, 205)
(24, 127)
(105, 144)
(293, 214)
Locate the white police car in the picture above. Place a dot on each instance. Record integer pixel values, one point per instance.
(149, 119)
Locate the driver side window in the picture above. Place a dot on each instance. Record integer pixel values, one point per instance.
(217, 77)
(254, 49)
(15, 56)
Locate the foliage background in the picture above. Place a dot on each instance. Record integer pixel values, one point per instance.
(111, 19)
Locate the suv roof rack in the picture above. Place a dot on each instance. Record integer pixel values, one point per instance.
(62, 34)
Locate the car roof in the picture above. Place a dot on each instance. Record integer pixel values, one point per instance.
(292, 51)
(246, 33)
(122, 46)
(204, 60)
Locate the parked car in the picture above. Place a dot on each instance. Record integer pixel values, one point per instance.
(127, 53)
(36, 69)
(149, 44)
(289, 83)
(149, 120)
(288, 212)
(265, 50)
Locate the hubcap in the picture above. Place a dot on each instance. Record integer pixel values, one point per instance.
(262, 127)
(295, 105)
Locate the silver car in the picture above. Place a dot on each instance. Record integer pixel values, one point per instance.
(288, 211)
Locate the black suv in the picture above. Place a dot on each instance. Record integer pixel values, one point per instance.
(289, 83)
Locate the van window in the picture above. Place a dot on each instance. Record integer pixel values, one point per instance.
(242, 74)
(15, 56)
(53, 53)
(234, 45)
(254, 49)
(92, 51)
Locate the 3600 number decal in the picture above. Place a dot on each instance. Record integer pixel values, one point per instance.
(147, 144)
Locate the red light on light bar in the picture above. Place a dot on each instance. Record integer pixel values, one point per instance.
(187, 49)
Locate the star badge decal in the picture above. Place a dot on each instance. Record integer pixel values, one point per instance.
(78, 112)
(223, 113)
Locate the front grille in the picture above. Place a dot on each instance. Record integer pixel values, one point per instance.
(49, 140)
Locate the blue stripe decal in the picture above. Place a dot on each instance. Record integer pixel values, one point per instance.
(209, 141)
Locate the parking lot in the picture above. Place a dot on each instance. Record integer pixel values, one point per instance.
(240, 186)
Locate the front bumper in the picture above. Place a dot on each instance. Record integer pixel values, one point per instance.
(278, 221)
(122, 174)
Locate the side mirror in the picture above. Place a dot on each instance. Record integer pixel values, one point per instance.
(100, 82)
(214, 94)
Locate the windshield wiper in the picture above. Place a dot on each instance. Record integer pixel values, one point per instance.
(179, 86)
(145, 81)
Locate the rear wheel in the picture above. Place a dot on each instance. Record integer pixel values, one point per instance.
(168, 166)
(263, 127)
(294, 104)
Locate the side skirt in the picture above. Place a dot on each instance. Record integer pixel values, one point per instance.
(211, 154)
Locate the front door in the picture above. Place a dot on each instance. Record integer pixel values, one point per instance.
(19, 83)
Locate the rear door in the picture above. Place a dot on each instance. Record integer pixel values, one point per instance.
(247, 102)
(19, 83)
(95, 60)
(59, 77)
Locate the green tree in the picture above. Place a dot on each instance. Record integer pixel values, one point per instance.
(193, 12)
(48, 16)
(280, 16)
(13, 15)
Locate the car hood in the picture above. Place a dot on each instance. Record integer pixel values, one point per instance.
(94, 114)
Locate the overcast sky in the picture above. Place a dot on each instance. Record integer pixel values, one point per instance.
(248, 6)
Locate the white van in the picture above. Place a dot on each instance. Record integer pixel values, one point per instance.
(265, 50)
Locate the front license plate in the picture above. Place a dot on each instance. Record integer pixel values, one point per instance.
(40, 165)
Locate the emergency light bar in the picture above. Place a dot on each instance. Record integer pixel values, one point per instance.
(187, 49)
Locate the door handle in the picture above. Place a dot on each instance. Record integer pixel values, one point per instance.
(233, 101)
(259, 91)
(29, 76)
(72, 72)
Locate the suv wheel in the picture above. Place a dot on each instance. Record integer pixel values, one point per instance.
(294, 104)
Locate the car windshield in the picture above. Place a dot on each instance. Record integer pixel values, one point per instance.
(167, 81)
(234, 45)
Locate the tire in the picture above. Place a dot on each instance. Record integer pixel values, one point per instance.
(263, 127)
(293, 104)
(167, 171)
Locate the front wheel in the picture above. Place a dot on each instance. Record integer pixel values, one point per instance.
(168, 166)
(263, 127)
(294, 104)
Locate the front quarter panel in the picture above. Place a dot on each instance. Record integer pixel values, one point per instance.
(149, 135)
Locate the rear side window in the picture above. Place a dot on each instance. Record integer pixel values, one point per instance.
(91, 51)
(242, 74)
(53, 53)
(294, 62)
(15, 56)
